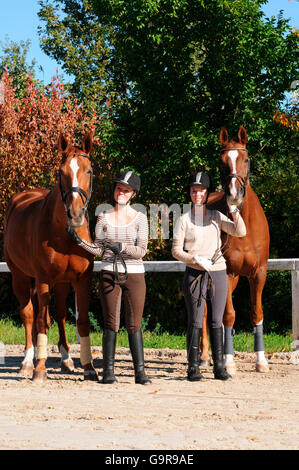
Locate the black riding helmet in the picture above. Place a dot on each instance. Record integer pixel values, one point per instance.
(201, 178)
(129, 179)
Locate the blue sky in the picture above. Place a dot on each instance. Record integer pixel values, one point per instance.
(19, 21)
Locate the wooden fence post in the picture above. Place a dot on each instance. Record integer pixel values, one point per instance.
(295, 306)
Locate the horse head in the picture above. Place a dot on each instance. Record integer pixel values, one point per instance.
(75, 178)
(234, 165)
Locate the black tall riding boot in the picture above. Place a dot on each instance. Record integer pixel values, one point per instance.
(192, 341)
(216, 338)
(136, 347)
(109, 343)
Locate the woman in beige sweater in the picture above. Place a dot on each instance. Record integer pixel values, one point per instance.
(197, 242)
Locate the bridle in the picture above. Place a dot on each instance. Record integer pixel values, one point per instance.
(226, 179)
(75, 189)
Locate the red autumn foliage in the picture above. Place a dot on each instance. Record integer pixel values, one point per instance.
(29, 129)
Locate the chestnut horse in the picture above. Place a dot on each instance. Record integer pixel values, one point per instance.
(246, 256)
(41, 255)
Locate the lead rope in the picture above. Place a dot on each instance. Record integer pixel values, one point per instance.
(201, 278)
(115, 259)
(119, 258)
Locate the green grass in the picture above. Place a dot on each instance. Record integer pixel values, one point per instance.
(10, 333)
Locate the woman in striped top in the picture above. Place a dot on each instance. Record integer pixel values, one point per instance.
(121, 238)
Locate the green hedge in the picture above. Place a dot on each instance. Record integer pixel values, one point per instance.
(165, 309)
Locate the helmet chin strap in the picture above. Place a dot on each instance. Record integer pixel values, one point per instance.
(126, 203)
(199, 205)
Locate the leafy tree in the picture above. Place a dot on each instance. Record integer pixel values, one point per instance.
(174, 72)
(14, 60)
(165, 75)
(73, 36)
(194, 66)
(29, 129)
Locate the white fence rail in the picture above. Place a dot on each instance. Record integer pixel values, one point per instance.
(273, 265)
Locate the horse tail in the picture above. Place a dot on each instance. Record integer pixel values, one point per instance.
(7, 213)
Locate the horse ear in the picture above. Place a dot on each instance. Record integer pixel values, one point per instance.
(242, 135)
(87, 143)
(63, 143)
(223, 136)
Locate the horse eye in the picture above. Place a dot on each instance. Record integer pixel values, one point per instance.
(246, 160)
(89, 172)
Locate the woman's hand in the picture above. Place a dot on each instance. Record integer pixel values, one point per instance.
(232, 208)
(205, 263)
(116, 247)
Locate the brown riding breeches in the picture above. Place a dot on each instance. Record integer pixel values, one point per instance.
(132, 292)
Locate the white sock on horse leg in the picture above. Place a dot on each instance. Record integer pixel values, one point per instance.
(259, 347)
(65, 356)
(29, 355)
(229, 359)
(260, 357)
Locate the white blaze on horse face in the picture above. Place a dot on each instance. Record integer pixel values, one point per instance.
(75, 167)
(233, 155)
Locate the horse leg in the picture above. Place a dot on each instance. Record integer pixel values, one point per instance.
(34, 300)
(42, 328)
(228, 322)
(257, 283)
(22, 285)
(82, 290)
(204, 345)
(61, 291)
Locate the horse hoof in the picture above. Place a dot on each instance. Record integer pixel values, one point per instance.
(67, 366)
(262, 368)
(231, 369)
(39, 377)
(91, 375)
(204, 364)
(26, 370)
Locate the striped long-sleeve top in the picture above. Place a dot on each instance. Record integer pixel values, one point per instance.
(133, 237)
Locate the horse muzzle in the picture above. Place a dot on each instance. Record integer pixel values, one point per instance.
(236, 199)
(235, 192)
(76, 218)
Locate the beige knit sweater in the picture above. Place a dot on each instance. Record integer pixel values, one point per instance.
(202, 237)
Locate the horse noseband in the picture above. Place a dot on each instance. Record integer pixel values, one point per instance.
(242, 182)
(75, 189)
